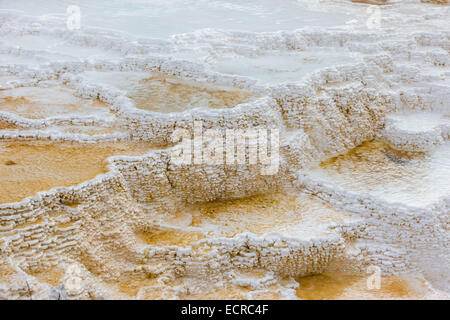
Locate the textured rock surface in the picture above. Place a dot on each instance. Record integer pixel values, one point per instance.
(140, 226)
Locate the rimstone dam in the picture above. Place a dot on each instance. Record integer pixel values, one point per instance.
(348, 103)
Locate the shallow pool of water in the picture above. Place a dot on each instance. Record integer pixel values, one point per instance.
(44, 102)
(335, 286)
(163, 93)
(160, 18)
(279, 67)
(416, 179)
(27, 167)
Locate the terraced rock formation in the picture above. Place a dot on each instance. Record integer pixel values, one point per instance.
(92, 205)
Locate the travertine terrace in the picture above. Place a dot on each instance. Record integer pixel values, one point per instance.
(92, 206)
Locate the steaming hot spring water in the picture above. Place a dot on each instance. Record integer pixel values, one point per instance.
(92, 94)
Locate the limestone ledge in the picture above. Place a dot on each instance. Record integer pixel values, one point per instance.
(419, 234)
(94, 225)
